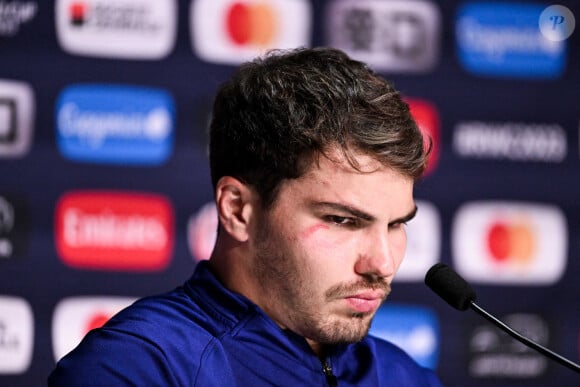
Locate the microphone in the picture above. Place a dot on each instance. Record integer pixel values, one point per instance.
(451, 287)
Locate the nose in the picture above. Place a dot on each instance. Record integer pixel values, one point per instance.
(375, 258)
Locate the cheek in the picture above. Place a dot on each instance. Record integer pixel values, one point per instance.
(326, 242)
(310, 231)
(317, 238)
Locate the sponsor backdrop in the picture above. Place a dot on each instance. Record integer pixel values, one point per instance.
(105, 193)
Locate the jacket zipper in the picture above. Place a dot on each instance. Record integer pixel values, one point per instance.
(327, 370)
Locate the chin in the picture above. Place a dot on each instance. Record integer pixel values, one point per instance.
(351, 331)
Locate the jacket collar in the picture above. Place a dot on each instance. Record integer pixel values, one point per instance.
(245, 320)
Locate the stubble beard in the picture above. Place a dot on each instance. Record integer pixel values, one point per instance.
(293, 301)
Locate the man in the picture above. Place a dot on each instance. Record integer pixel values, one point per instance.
(313, 160)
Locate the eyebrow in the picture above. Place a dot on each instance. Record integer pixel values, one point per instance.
(407, 217)
(363, 215)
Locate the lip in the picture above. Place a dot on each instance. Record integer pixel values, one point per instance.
(365, 302)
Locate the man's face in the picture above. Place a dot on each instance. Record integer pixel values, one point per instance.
(326, 252)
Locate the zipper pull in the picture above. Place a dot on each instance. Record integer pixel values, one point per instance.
(330, 378)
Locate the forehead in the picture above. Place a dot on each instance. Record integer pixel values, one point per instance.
(370, 186)
(335, 161)
(347, 159)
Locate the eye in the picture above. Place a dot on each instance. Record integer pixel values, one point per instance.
(341, 220)
(397, 225)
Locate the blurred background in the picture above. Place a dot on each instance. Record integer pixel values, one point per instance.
(105, 193)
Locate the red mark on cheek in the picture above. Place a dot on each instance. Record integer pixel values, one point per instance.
(312, 229)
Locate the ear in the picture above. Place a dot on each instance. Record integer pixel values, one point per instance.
(235, 202)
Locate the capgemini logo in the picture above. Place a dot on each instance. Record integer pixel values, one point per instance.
(557, 23)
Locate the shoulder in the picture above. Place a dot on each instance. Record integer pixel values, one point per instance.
(396, 363)
(160, 339)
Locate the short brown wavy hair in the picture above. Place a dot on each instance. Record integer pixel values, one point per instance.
(278, 112)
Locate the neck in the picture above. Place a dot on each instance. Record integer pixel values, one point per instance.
(230, 265)
(319, 349)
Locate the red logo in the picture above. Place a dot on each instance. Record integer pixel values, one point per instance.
(251, 23)
(77, 11)
(511, 241)
(114, 230)
(427, 119)
(97, 320)
(202, 232)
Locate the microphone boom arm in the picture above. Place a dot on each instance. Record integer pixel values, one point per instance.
(524, 340)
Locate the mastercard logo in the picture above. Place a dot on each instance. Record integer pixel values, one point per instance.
(251, 23)
(507, 242)
(236, 31)
(515, 242)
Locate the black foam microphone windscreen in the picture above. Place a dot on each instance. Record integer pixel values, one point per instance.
(450, 286)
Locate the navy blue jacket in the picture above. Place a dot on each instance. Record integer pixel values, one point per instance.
(201, 334)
